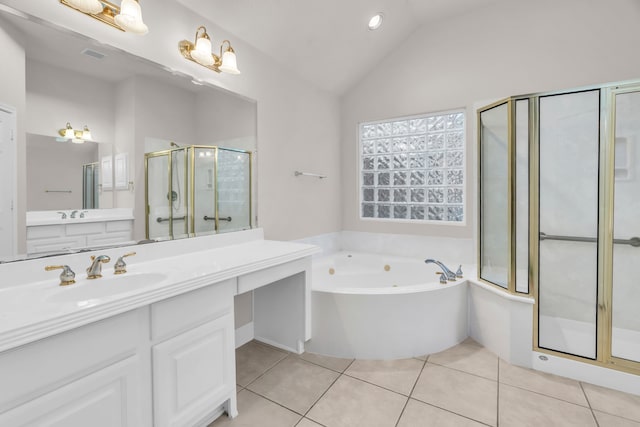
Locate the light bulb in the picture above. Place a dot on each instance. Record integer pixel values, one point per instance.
(375, 22)
(130, 18)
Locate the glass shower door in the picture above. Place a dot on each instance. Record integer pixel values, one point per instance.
(568, 245)
(234, 190)
(625, 322)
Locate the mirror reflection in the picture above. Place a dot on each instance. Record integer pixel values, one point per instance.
(92, 194)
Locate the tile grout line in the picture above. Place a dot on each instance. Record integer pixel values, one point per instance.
(460, 370)
(547, 395)
(411, 392)
(451, 412)
(322, 366)
(325, 392)
(498, 395)
(589, 403)
(267, 370)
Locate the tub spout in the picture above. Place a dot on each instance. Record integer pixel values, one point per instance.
(451, 276)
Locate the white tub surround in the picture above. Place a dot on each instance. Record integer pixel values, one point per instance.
(446, 249)
(370, 306)
(154, 346)
(47, 231)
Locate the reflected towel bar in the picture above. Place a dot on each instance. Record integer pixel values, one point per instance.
(213, 218)
(57, 191)
(315, 175)
(634, 241)
(161, 220)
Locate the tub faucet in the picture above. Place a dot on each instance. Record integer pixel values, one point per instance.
(451, 276)
(95, 269)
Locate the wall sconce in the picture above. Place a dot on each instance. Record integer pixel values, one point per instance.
(126, 17)
(200, 51)
(76, 136)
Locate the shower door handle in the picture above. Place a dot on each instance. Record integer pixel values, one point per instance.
(634, 241)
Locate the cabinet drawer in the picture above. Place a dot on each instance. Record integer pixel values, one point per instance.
(177, 314)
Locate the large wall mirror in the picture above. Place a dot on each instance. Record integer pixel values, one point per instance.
(131, 107)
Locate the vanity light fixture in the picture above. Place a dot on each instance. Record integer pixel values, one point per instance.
(200, 52)
(126, 17)
(76, 136)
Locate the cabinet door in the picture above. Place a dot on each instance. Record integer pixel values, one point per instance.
(109, 397)
(194, 373)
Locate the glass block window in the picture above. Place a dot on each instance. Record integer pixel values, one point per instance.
(413, 168)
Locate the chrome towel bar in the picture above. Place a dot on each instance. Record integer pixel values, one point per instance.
(161, 220)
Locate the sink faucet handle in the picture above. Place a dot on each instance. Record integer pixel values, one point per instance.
(120, 267)
(67, 277)
(63, 215)
(459, 272)
(82, 214)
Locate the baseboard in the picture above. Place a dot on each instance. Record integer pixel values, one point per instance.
(280, 346)
(244, 334)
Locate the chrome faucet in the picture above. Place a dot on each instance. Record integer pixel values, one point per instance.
(73, 214)
(450, 275)
(63, 215)
(95, 269)
(83, 213)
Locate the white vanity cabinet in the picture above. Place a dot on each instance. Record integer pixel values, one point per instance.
(194, 357)
(95, 375)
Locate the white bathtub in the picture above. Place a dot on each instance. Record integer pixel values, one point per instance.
(370, 306)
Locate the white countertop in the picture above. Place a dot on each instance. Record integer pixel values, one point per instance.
(32, 311)
(37, 218)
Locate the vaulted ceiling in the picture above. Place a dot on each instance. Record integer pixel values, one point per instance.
(327, 42)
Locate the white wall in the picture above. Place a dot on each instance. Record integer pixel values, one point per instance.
(56, 166)
(508, 48)
(298, 125)
(56, 96)
(13, 94)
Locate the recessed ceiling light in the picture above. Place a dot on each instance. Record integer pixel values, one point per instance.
(375, 22)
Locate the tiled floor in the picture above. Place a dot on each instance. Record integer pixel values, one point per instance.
(465, 385)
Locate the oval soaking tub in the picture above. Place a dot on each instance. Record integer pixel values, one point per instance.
(369, 306)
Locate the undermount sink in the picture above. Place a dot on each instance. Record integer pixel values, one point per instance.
(105, 286)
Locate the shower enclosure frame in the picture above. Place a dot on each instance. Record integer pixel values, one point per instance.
(189, 177)
(605, 222)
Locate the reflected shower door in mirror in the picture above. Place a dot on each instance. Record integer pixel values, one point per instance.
(494, 195)
(625, 334)
(125, 101)
(63, 176)
(207, 188)
(568, 255)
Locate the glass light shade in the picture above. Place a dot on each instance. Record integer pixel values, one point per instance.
(86, 134)
(130, 18)
(77, 141)
(68, 133)
(86, 6)
(375, 22)
(229, 63)
(202, 52)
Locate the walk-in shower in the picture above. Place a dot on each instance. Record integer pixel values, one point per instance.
(196, 190)
(559, 195)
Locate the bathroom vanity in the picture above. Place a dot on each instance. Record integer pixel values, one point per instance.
(56, 231)
(154, 346)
